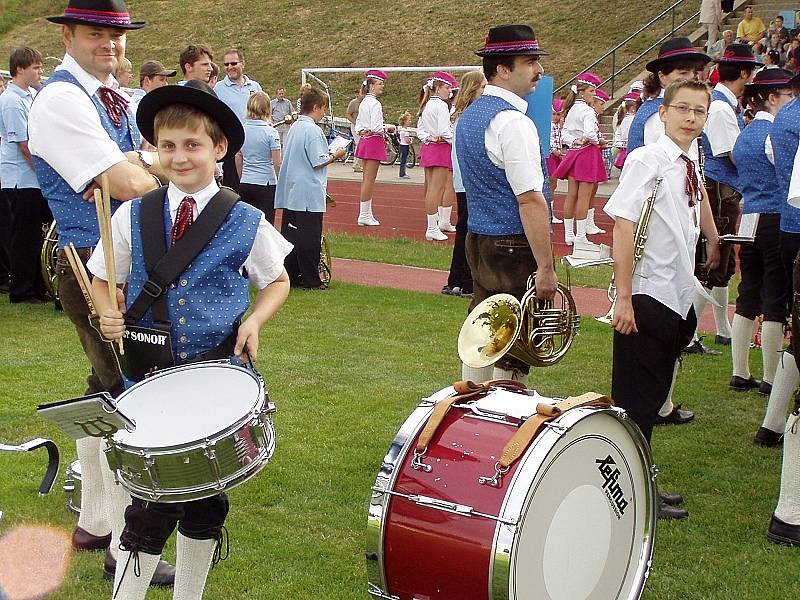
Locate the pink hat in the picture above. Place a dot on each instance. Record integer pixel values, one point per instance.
(601, 95)
(558, 104)
(589, 78)
(631, 97)
(377, 74)
(444, 77)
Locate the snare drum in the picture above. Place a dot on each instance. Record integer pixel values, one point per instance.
(72, 486)
(201, 429)
(573, 518)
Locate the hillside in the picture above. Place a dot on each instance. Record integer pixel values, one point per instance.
(278, 38)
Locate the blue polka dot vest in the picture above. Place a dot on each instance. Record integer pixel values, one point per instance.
(636, 132)
(756, 174)
(211, 294)
(721, 169)
(785, 135)
(491, 203)
(76, 218)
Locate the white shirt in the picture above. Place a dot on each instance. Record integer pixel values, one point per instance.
(654, 126)
(264, 263)
(65, 129)
(435, 121)
(512, 143)
(794, 183)
(722, 127)
(666, 270)
(581, 122)
(370, 115)
(621, 133)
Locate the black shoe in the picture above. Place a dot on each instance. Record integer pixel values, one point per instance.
(665, 511)
(670, 499)
(83, 541)
(740, 384)
(767, 438)
(678, 416)
(783, 533)
(721, 340)
(164, 575)
(765, 389)
(697, 347)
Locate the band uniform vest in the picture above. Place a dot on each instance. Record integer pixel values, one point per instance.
(785, 135)
(756, 174)
(636, 132)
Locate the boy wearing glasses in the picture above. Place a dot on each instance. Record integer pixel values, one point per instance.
(653, 316)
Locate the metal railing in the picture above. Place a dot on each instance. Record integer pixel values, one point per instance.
(670, 13)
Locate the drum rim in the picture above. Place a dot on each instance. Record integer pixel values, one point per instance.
(504, 543)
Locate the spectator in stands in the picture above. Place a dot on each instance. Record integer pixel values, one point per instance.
(771, 59)
(152, 75)
(280, 108)
(711, 18)
(783, 33)
(796, 29)
(773, 42)
(751, 29)
(196, 62)
(124, 72)
(759, 52)
(717, 49)
(793, 57)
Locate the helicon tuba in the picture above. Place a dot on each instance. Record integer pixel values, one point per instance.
(537, 332)
(49, 257)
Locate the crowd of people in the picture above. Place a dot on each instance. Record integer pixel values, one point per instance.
(687, 161)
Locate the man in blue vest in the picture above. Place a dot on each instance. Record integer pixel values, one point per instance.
(498, 151)
(80, 128)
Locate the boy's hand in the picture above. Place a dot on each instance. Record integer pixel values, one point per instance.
(247, 340)
(339, 153)
(624, 320)
(112, 322)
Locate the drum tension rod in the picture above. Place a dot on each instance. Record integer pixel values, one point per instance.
(451, 507)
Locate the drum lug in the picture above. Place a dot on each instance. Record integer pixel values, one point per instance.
(211, 454)
(497, 479)
(560, 430)
(417, 464)
(653, 472)
(265, 414)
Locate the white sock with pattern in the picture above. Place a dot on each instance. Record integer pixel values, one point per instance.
(127, 584)
(116, 500)
(507, 374)
(668, 406)
(771, 342)
(788, 509)
(192, 564)
(785, 383)
(476, 374)
(723, 325)
(93, 516)
(742, 333)
(699, 302)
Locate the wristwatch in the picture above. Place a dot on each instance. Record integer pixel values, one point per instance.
(146, 158)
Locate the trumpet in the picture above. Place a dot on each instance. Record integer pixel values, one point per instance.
(639, 242)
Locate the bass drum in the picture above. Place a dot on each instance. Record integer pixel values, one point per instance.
(49, 258)
(573, 518)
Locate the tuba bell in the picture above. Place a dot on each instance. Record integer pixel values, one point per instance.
(537, 332)
(49, 258)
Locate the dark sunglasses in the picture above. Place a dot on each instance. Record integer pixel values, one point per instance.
(231, 64)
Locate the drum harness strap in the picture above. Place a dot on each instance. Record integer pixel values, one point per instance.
(520, 441)
(164, 265)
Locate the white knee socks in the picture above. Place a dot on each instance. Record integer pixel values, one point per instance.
(192, 564)
(668, 406)
(116, 500)
(94, 515)
(742, 333)
(127, 585)
(699, 304)
(786, 379)
(720, 295)
(505, 374)
(788, 509)
(476, 374)
(771, 342)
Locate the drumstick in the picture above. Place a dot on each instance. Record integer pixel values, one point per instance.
(81, 275)
(102, 201)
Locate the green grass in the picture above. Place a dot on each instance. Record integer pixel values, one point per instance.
(344, 379)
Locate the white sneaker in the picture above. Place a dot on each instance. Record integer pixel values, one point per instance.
(447, 228)
(435, 235)
(555, 220)
(368, 220)
(583, 243)
(592, 229)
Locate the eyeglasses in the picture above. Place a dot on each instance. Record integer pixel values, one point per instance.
(685, 109)
(231, 64)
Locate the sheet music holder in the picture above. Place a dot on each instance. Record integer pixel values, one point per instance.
(746, 234)
(577, 263)
(337, 143)
(95, 415)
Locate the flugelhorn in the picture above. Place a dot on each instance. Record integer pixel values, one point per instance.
(537, 332)
(639, 242)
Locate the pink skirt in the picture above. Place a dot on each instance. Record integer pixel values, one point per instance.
(371, 147)
(623, 154)
(583, 164)
(438, 154)
(552, 162)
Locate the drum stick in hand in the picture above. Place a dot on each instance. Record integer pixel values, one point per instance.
(102, 202)
(81, 275)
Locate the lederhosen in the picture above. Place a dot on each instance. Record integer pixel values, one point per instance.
(148, 525)
(722, 187)
(762, 289)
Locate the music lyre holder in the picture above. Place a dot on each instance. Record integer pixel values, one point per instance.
(95, 415)
(52, 460)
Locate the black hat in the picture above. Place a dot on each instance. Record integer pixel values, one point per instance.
(674, 49)
(739, 54)
(511, 40)
(199, 95)
(770, 79)
(102, 13)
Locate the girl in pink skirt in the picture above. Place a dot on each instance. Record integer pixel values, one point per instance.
(622, 124)
(556, 148)
(435, 131)
(371, 147)
(583, 164)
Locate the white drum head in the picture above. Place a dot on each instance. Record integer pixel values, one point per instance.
(187, 404)
(586, 522)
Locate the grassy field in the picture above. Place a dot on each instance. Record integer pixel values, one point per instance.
(344, 379)
(279, 38)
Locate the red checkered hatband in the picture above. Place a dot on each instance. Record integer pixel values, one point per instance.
(98, 16)
(515, 45)
(677, 52)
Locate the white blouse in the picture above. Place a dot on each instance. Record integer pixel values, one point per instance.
(370, 116)
(435, 121)
(581, 122)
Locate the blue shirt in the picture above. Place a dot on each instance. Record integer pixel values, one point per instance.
(236, 96)
(260, 139)
(15, 171)
(301, 186)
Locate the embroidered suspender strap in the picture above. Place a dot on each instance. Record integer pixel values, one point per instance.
(165, 266)
(464, 390)
(545, 413)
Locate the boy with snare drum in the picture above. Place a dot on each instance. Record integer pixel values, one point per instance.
(198, 311)
(653, 314)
